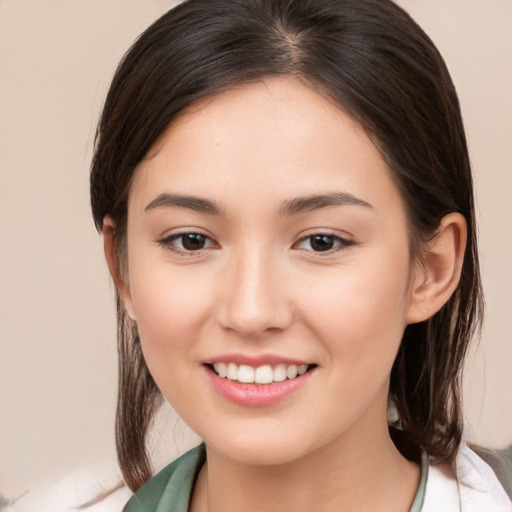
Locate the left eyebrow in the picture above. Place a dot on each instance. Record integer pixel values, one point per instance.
(316, 202)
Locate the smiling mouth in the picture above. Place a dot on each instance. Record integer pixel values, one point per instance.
(265, 374)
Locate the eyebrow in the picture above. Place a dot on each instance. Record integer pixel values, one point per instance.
(197, 204)
(290, 207)
(318, 201)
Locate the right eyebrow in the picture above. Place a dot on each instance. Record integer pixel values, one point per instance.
(198, 204)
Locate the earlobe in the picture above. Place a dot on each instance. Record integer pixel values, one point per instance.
(109, 246)
(438, 276)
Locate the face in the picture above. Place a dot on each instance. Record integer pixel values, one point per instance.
(269, 272)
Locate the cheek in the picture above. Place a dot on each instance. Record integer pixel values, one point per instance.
(171, 308)
(361, 311)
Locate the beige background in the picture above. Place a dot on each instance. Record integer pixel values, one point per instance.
(57, 342)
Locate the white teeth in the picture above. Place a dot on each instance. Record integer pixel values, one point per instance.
(291, 371)
(221, 369)
(232, 371)
(280, 373)
(265, 374)
(245, 374)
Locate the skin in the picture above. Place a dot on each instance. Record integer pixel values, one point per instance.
(259, 287)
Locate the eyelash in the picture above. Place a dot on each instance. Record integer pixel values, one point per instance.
(169, 243)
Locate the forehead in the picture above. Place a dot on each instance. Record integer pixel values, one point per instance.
(263, 114)
(272, 139)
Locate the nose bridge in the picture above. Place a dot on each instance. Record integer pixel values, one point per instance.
(254, 300)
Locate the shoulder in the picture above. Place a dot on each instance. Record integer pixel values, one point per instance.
(471, 484)
(501, 463)
(171, 486)
(101, 489)
(97, 489)
(486, 480)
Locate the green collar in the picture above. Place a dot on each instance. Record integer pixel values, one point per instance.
(417, 504)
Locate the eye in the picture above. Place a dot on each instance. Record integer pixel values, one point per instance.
(187, 242)
(323, 242)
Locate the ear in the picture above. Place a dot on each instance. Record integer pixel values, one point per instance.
(120, 281)
(437, 275)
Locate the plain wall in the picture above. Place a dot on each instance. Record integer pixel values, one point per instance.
(57, 341)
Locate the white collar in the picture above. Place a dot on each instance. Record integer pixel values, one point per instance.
(469, 486)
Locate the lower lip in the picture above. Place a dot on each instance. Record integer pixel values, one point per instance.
(256, 395)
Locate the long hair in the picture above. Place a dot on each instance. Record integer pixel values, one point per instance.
(378, 65)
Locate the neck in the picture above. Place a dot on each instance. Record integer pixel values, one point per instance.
(347, 474)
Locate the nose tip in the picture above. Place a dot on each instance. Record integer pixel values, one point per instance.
(254, 301)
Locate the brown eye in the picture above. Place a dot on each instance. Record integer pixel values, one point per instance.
(320, 243)
(324, 242)
(193, 241)
(187, 242)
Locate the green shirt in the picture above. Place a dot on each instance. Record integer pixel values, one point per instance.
(171, 488)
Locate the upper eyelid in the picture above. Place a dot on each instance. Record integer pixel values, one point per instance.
(183, 232)
(343, 239)
(327, 232)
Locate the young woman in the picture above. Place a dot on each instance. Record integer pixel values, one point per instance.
(286, 201)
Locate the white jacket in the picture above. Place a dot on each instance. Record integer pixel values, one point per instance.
(470, 485)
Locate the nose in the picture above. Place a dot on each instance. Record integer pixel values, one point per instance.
(254, 299)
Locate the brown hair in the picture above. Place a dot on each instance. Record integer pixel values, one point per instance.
(375, 62)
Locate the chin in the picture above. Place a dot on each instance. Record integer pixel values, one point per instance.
(259, 447)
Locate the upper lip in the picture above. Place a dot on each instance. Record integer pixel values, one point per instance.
(255, 361)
